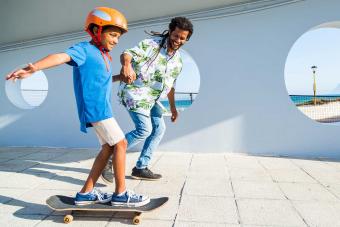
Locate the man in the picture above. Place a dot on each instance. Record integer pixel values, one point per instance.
(149, 72)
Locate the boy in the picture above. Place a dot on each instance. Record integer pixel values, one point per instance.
(92, 78)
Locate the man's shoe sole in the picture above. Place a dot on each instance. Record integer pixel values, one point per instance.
(143, 178)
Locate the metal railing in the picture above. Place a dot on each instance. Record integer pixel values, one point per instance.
(323, 108)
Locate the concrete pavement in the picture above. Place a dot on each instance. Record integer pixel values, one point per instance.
(216, 189)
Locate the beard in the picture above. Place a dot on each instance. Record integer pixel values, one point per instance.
(173, 46)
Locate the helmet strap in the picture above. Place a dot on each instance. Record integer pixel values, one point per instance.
(97, 42)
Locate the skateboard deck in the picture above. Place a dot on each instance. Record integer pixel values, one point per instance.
(64, 203)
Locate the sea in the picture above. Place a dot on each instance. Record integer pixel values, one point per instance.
(180, 104)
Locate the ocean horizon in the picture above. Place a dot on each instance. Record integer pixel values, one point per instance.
(180, 104)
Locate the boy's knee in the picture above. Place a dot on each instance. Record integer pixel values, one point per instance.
(122, 144)
(107, 148)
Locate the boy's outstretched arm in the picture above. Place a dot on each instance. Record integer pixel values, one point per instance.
(44, 63)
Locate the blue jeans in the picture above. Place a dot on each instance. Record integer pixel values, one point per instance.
(151, 129)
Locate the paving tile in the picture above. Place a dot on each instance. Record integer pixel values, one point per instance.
(16, 165)
(118, 222)
(319, 213)
(291, 176)
(272, 163)
(257, 190)
(164, 187)
(14, 154)
(15, 220)
(207, 209)
(34, 201)
(204, 224)
(268, 213)
(56, 220)
(170, 166)
(306, 191)
(24, 180)
(335, 189)
(66, 181)
(40, 156)
(243, 162)
(208, 186)
(250, 175)
(325, 177)
(261, 186)
(8, 194)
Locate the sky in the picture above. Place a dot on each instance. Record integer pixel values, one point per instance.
(320, 47)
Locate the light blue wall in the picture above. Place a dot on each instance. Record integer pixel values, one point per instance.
(243, 105)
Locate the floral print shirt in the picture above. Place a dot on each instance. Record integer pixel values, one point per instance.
(156, 73)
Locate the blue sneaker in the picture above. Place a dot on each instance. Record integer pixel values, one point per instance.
(95, 196)
(129, 199)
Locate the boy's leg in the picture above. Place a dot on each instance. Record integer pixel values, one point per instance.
(109, 134)
(143, 128)
(118, 161)
(97, 168)
(108, 131)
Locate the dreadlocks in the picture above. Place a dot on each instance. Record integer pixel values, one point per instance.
(178, 22)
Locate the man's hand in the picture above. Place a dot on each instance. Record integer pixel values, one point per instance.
(22, 73)
(127, 74)
(174, 114)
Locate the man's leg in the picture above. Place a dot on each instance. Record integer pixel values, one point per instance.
(143, 129)
(151, 143)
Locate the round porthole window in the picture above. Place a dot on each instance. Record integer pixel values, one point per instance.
(187, 84)
(312, 73)
(28, 93)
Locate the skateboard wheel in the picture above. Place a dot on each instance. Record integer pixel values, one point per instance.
(136, 220)
(68, 218)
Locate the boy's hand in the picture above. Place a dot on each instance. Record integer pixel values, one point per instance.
(22, 73)
(127, 73)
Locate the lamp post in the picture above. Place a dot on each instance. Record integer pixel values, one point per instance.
(314, 67)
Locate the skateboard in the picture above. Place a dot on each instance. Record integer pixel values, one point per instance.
(62, 203)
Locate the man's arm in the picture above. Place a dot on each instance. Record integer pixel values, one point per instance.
(127, 74)
(171, 98)
(44, 63)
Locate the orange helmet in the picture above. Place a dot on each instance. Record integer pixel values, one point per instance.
(103, 16)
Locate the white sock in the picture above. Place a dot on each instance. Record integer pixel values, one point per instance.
(121, 194)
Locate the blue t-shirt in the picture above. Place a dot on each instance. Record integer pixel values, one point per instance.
(92, 83)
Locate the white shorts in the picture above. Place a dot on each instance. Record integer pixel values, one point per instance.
(108, 131)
